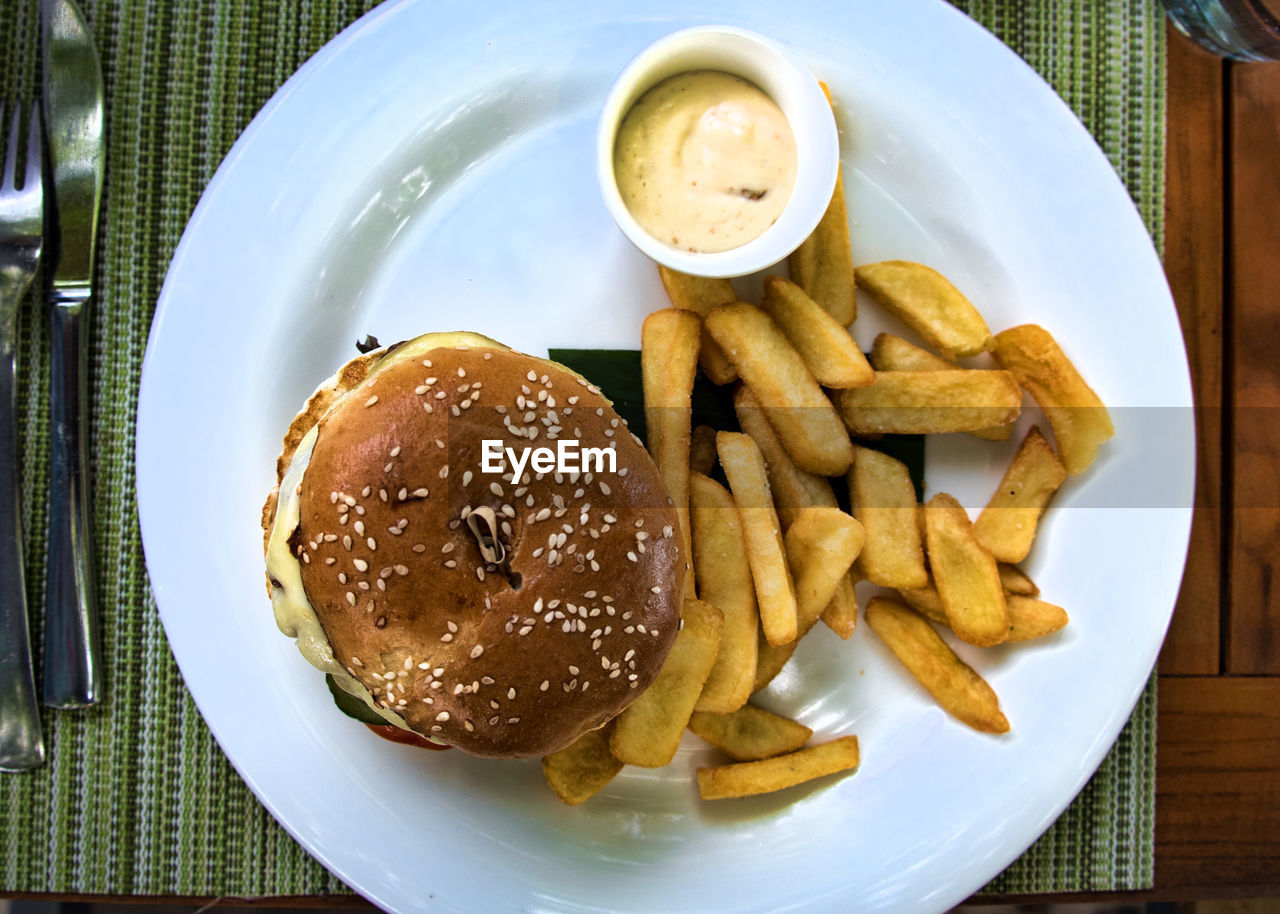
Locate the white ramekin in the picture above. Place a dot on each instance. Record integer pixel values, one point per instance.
(782, 77)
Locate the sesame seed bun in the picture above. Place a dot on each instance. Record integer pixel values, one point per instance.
(506, 649)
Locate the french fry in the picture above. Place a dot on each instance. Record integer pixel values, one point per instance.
(821, 546)
(793, 488)
(702, 450)
(823, 264)
(1015, 581)
(841, 614)
(795, 405)
(750, 733)
(884, 502)
(1079, 420)
(832, 355)
(724, 580)
(931, 402)
(1028, 617)
(927, 602)
(775, 595)
(1007, 525)
(700, 294)
(668, 365)
(965, 574)
(1031, 618)
(744, 779)
(648, 732)
(893, 353)
(579, 771)
(960, 691)
(928, 303)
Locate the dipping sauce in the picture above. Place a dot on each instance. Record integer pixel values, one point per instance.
(705, 161)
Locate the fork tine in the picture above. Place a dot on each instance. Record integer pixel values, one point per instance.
(10, 150)
(35, 164)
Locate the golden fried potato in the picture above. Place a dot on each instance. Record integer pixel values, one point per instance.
(700, 294)
(668, 364)
(841, 614)
(931, 402)
(821, 546)
(795, 405)
(793, 488)
(893, 353)
(724, 580)
(1080, 422)
(745, 779)
(1015, 581)
(1031, 618)
(1007, 525)
(823, 264)
(1028, 617)
(884, 502)
(775, 594)
(832, 355)
(960, 691)
(928, 303)
(965, 574)
(578, 772)
(648, 732)
(750, 733)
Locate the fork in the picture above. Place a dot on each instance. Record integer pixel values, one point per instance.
(21, 240)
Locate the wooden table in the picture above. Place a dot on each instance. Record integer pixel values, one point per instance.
(1218, 736)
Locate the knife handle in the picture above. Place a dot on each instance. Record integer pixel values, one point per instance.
(72, 658)
(21, 741)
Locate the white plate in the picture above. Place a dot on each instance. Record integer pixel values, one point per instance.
(431, 169)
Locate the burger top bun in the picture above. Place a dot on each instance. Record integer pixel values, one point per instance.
(504, 616)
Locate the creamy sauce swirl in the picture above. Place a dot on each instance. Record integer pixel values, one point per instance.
(705, 161)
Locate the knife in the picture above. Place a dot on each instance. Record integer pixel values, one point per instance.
(73, 117)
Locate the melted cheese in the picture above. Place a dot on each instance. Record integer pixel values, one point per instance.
(294, 614)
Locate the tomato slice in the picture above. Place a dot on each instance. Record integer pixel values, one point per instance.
(396, 735)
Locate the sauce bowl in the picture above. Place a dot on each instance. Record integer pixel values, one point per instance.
(780, 75)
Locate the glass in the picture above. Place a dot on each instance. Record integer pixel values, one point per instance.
(1239, 29)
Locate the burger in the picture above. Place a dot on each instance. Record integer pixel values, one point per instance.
(470, 542)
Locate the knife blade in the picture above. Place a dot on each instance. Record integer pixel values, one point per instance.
(73, 116)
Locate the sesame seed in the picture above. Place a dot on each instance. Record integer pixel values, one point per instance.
(372, 544)
(361, 565)
(442, 716)
(351, 598)
(372, 400)
(476, 651)
(466, 477)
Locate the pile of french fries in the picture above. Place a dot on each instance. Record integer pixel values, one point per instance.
(773, 554)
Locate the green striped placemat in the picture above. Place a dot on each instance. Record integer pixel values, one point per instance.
(137, 798)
